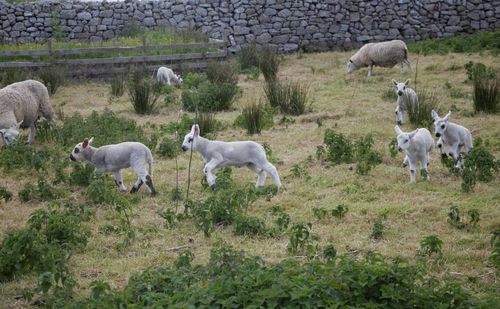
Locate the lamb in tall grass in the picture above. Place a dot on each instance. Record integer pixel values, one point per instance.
(167, 76)
(382, 54)
(113, 158)
(417, 146)
(217, 154)
(21, 104)
(453, 135)
(406, 98)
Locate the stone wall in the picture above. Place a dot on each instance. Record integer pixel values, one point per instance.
(288, 24)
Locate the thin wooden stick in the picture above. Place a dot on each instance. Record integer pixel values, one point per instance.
(174, 249)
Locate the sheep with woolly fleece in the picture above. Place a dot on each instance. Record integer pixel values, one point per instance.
(21, 104)
(417, 145)
(406, 98)
(217, 154)
(452, 134)
(167, 76)
(113, 158)
(383, 54)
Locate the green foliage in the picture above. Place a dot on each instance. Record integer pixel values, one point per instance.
(455, 220)
(479, 71)
(81, 174)
(282, 218)
(118, 85)
(389, 95)
(329, 253)
(12, 75)
(465, 43)
(486, 94)
(255, 117)
(320, 213)
(184, 260)
(455, 92)
(340, 211)
(40, 192)
(339, 147)
(290, 98)
(419, 113)
(248, 57)
(52, 77)
(22, 156)
(168, 148)
(207, 122)
(378, 229)
(431, 245)
(393, 147)
(269, 63)
(479, 165)
(193, 80)
(143, 92)
(495, 243)
(169, 216)
(249, 226)
(222, 72)
(366, 157)
(5, 194)
(301, 239)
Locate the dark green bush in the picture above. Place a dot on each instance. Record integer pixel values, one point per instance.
(269, 63)
(248, 57)
(249, 226)
(290, 98)
(12, 75)
(479, 71)
(431, 245)
(282, 218)
(81, 174)
(52, 77)
(378, 229)
(40, 192)
(339, 147)
(168, 148)
(479, 165)
(464, 43)
(486, 94)
(495, 243)
(22, 156)
(222, 72)
(118, 85)
(301, 239)
(5, 194)
(320, 213)
(419, 113)
(193, 80)
(340, 211)
(255, 117)
(366, 157)
(144, 93)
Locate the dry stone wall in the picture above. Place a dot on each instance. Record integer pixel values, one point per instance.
(288, 24)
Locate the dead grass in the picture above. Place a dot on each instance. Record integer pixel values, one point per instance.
(413, 211)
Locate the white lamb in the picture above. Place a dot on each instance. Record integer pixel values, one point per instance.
(417, 146)
(167, 76)
(406, 98)
(451, 134)
(383, 54)
(217, 154)
(21, 104)
(113, 158)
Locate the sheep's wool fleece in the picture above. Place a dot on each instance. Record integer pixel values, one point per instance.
(383, 54)
(26, 100)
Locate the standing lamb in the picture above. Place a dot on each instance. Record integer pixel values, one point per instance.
(417, 146)
(113, 158)
(451, 134)
(217, 154)
(406, 99)
(383, 54)
(21, 104)
(167, 76)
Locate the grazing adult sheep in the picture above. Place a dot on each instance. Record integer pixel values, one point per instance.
(452, 134)
(21, 104)
(167, 76)
(383, 54)
(217, 154)
(417, 145)
(406, 98)
(113, 158)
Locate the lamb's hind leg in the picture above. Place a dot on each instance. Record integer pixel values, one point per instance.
(269, 168)
(208, 171)
(260, 172)
(142, 177)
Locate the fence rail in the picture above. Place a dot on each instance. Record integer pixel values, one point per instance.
(200, 55)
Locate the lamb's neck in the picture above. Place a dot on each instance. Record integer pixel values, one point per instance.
(89, 153)
(201, 146)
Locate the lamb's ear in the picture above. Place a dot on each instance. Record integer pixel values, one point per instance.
(447, 117)
(407, 82)
(412, 134)
(398, 130)
(434, 115)
(394, 82)
(196, 130)
(85, 143)
(91, 140)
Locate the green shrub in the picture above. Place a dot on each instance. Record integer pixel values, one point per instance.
(249, 226)
(248, 57)
(393, 147)
(339, 147)
(53, 77)
(81, 174)
(275, 93)
(479, 165)
(222, 72)
(320, 213)
(479, 71)
(486, 94)
(419, 113)
(290, 98)
(389, 95)
(12, 75)
(269, 63)
(5, 194)
(495, 243)
(340, 211)
(366, 157)
(255, 117)
(118, 85)
(209, 97)
(143, 92)
(378, 229)
(301, 239)
(431, 245)
(40, 192)
(168, 148)
(22, 156)
(193, 80)
(464, 43)
(329, 253)
(282, 218)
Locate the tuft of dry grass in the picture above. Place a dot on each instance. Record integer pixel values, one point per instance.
(351, 104)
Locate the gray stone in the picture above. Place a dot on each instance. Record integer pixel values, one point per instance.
(285, 13)
(67, 14)
(238, 30)
(149, 22)
(263, 38)
(288, 48)
(84, 16)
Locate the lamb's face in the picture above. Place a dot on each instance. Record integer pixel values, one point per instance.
(404, 141)
(440, 124)
(350, 66)
(400, 87)
(76, 154)
(190, 138)
(9, 135)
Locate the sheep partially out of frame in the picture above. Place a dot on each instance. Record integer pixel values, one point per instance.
(21, 104)
(217, 154)
(113, 158)
(406, 98)
(452, 134)
(383, 54)
(167, 76)
(417, 145)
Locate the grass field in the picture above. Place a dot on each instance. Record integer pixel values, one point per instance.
(351, 104)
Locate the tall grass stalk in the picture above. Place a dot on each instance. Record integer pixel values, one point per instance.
(269, 63)
(143, 92)
(486, 94)
(53, 77)
(419, 111)
(253, 117)
(118, 85)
